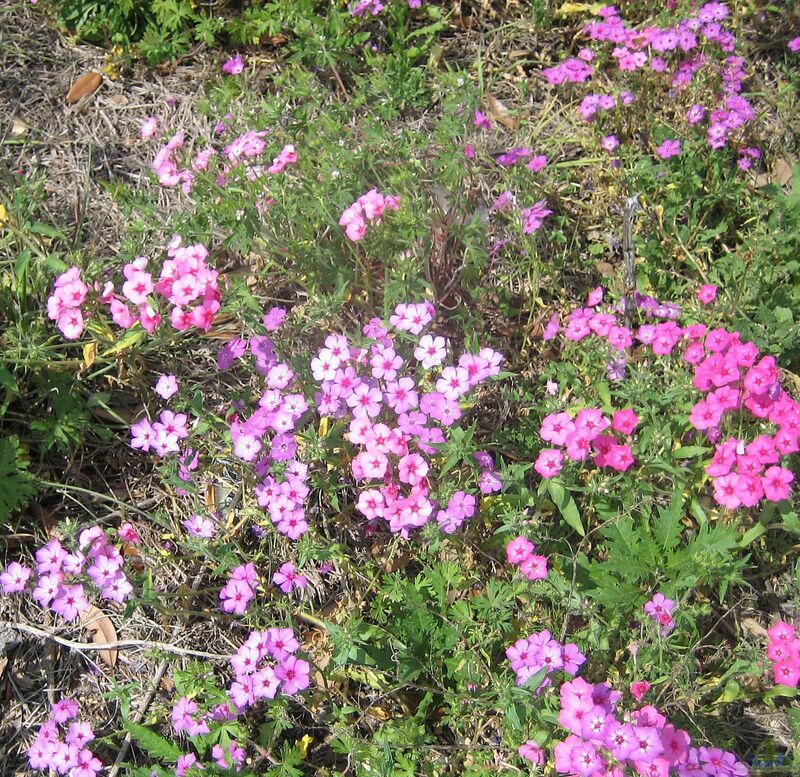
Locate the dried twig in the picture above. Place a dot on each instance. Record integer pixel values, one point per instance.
(123, 644)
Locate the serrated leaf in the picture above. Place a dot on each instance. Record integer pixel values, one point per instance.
(16, 484)
(155, 745)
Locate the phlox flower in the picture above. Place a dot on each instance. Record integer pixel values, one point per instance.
(519, 549)
(534, 216)
(625, 421)
(530, 751)
(776, 483)
(707, 293)
(794, 45)
(149, 128)
(489, 482)
(287, 579)
(725, 491)
(235, 597)
(669, 148)
(166, 386)
(64, 710)
(430, 351)
(481, 120)
(556, 427)
(200, 527)
(609, 143)
(293, 672)
(534, 567)
(234, 65)
(639, 689)
(69, 601)
(15, 578)
(549, 462)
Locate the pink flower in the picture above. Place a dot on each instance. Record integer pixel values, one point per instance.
(609, 143)
(549, 462)
(287, 579)
(202, 528)
(166, 386)
(556, 427)
(294, 674)
(519, 549)
(70, 601)
(624, 421)
(482, 120)
(149, 128)
(776, 483)
(530, 751)
(669, 148)
(534, 567)
(794, 45)
(639, 689)
(65, 710)
(15, 577)
(707, 293)
(234, 65)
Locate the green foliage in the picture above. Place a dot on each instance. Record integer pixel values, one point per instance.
(17, 485)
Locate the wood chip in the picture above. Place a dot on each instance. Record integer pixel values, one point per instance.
(97, 622)
(85, 85)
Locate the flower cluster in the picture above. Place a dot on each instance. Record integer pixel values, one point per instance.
(602, 741)
(679, 52)
(540, 651)
(742, 389)
(739, 384)
(68, 755)
(783, 651)
(584, 436)
(660, 610)
(64, 304)
(265, 664)
(368, 207)
(240, 589)
(61, 575)
(533, 217)
(186, 282)
(374, 7)
(396, 417)
(519, 552)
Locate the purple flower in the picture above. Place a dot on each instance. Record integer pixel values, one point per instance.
(533, 217)
(230, 352)
(234, 65)
(669, 148)
(274, 319)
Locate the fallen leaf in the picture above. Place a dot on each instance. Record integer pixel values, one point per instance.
(19, 127)
(500, 113)
(89, 354)
(119, 99)
(102, 631)
(83, 86)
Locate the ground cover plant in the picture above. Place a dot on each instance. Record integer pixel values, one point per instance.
(432, 407)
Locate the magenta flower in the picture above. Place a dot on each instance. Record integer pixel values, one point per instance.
(287, 579)
(707, 293)
(234, 65)
(294, 674)
(669, 148)
(549, 462)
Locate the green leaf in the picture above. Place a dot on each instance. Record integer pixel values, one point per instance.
(566, 505)
(16, 484)
(155, 745)
(689, 452)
